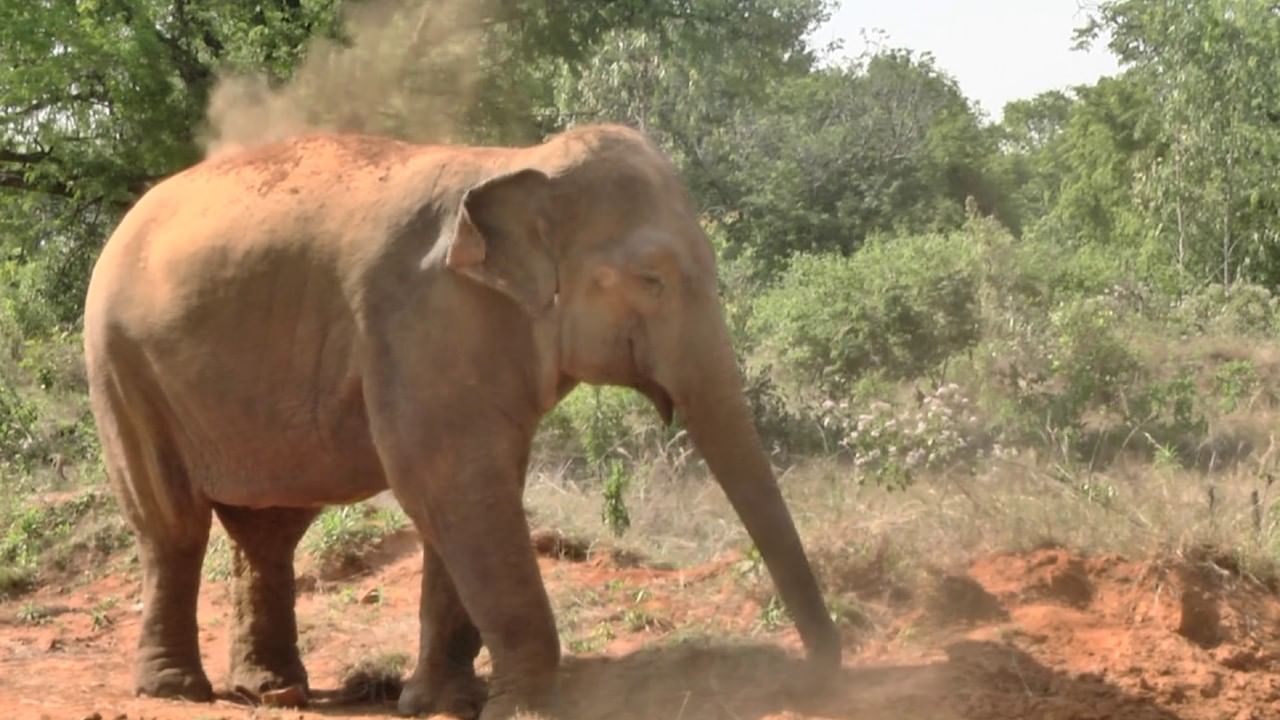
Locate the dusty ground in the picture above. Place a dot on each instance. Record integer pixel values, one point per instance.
(1046, 634)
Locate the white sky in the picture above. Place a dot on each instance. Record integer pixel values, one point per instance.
(997, 50)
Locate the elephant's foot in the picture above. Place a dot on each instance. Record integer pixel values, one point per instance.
(534, 700)
(460, 697)
(252, 679)
(174, 683)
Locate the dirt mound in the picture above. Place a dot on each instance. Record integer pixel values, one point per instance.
(1046, 634)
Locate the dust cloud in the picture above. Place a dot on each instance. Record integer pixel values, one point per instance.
(405, 68)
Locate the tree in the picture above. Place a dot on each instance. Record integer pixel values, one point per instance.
(1029, 162)
(1215, 108)
(100, 99)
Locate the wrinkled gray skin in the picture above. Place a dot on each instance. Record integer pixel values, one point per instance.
(311, 322)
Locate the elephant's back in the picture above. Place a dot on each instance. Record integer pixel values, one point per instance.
(249, 224)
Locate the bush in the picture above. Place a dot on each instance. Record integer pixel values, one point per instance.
(1023, 279)
(24, 310)
(899, 308)
(1053, 373)
(19, 437)
(1233, 382)
(341, 536)
(42, 535)
(597, 423)
(1239, 309)
(891, 442)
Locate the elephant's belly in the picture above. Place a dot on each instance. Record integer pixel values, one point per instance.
(292, 474)
(277, 456)
(308, 486)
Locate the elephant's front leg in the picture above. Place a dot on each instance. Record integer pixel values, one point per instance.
(467, 502)
(444, 681)
(264, 644)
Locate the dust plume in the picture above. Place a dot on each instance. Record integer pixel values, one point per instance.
(407, 69)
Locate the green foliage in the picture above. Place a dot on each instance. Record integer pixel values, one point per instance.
(346, 533)
(19, 443)
(1239, 309)
(600, 425)
(100, 99)
(1053, 374)
(899, 308)
(1234, 381)
(16, 580)
(35, 533)
(1203, 190)
(33, 614)
(614, 513)
(1167, 409)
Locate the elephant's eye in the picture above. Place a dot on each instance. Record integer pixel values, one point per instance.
(652, 283)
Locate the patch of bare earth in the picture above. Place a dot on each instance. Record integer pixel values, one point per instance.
(1046, 634)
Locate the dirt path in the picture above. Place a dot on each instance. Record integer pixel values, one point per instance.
(1046, 635)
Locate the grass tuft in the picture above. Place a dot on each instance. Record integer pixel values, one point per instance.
(378, 679)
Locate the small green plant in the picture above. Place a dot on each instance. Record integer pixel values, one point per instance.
(1166, 456)
(100, 613)
(614, 513)
(19, 438)
(217, 559)
(33, 614)
(638, 620)
(1234, 381)
(601, 422)
(773, 615)
(601, 635)
(16, 580)
(1098, 491)
(346, 533)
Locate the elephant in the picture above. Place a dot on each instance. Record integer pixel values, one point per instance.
(312, 321)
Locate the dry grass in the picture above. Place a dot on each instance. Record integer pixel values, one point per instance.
(863, 538)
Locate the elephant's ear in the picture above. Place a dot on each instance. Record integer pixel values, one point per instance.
(500, 238)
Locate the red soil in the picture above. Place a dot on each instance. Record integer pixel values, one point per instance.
(1046, 635)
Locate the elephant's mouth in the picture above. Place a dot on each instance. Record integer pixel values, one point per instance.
(658, 396)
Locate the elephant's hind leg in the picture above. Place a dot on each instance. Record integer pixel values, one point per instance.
(264, 645)
(168, 664)
(444, 681)
(171, 523)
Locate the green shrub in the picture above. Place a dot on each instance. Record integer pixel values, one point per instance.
(1053, 374)
(1167, 411)
(19, 436)
(43, 535)
(595, 423)
(1234, 381)
(1239, 309)
(898, 307)
(344, 534)
(1025, 278)
(25, 311)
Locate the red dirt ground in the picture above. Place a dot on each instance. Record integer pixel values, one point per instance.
(1047, 635)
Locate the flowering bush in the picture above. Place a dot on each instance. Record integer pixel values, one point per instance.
(942, 430)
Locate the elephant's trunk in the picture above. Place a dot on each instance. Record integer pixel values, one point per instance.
(720, 423)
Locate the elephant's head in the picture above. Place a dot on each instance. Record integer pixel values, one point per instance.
(593, 234)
